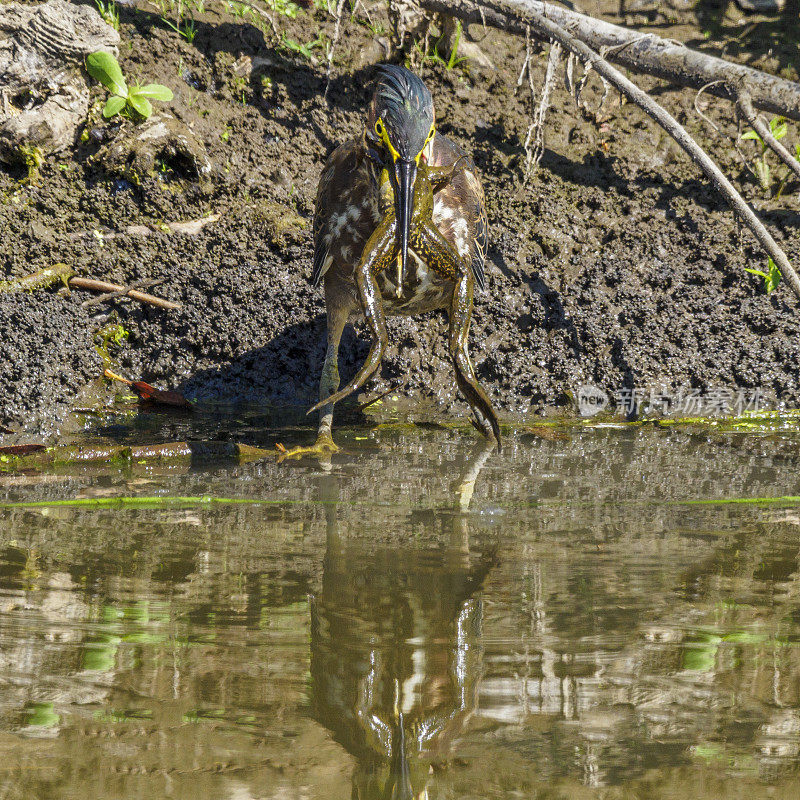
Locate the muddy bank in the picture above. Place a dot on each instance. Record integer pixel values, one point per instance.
(616, 265)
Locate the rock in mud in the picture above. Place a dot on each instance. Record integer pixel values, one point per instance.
(44, 96)
(135, 150)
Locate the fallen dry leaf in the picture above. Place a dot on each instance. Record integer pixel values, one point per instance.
(150, 394)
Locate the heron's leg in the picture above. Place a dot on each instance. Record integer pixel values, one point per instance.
(442, 258)
(329, 379)
(338, 311)
(380, 251)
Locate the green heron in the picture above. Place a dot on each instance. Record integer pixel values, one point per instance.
(400, 189)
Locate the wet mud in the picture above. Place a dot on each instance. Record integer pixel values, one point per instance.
(615, 265)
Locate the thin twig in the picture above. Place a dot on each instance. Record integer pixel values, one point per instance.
(121, 293)
(713, 125)
(92, 285)
(534, 152)
(336, 33)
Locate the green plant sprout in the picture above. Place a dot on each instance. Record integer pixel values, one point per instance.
(186, 28)
(778, 128)
(126, 101)
(433, 56)
(454, 60)
(183, 27)
(286, 8)
(109, 11)
(303, 50)
(771, 278)
(241, 10)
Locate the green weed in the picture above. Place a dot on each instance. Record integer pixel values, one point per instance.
(286, 8)
(130, 102)
(432, 55)
(303, 50)
(778, 128)
(454, 60)
(241, 10)
(109, 11)
(771, 278)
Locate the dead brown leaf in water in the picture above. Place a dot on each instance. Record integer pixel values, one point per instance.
(150, 394)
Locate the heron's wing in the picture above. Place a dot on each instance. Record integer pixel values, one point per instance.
(322, 259)
(341, 181)
(468, 193)
(322, 218)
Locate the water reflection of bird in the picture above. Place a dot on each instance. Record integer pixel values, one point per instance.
(355, 247)
(396, 653)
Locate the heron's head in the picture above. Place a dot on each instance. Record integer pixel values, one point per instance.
(400, 130)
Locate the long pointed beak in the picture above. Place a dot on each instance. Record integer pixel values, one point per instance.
(405, 174)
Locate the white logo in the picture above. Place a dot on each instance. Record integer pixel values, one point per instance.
(591, 400)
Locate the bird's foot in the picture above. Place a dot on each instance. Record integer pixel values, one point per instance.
(324, 447)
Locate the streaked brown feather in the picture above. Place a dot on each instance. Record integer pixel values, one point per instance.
(347, 213)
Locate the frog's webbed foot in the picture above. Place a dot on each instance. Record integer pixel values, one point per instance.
(323, 449)
(443, 259)
(380, 251)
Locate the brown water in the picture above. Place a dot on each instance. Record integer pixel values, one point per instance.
(579, 631)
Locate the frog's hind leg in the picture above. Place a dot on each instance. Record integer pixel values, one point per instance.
(443, 259)
(460, 317)
(380, 251)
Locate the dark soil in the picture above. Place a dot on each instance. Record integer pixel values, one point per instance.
(616, 265)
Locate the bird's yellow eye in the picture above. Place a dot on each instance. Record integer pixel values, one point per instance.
(379, 128)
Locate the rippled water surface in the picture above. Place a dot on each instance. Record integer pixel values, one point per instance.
(580, 628)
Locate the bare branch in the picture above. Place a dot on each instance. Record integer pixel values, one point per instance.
(498, 15)
(339, 13)
(713, 125)
(534, 141)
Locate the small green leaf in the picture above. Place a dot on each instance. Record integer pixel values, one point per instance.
(778, 127)
(774, 278)
(771, 279)
(155, 91)
(751, 135)
(113, 106)
(105, 68)
(140, 104)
